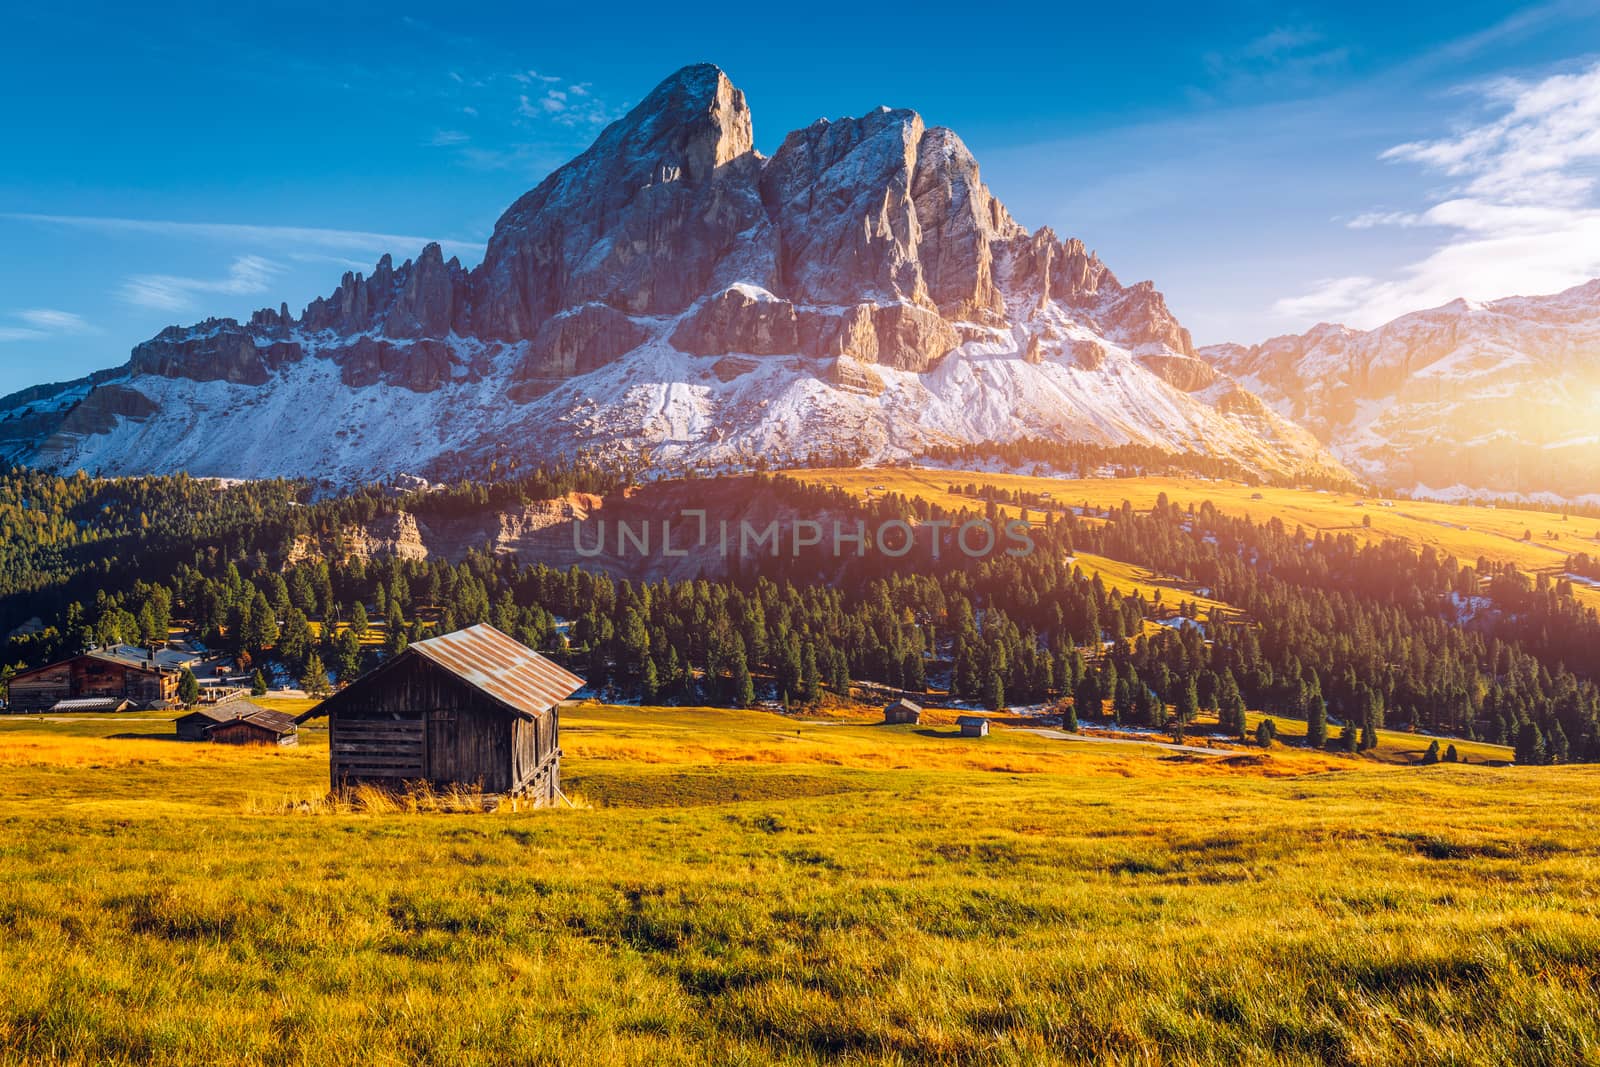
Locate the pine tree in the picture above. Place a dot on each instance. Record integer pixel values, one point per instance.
(1187, 705)
(347, 655)
(742, 690)
(359, 623)
(1450, 755)
(1316, 722)
(1530, 748)
(1069, 718)
(1264, 733)
(315, 679)
(188, 688)
(1230, 706)
(649, 685)
(258, 684)
(258, 629)
(1349, 737)
(994, 690)
(810, 677)
(1430, 757)
(1087, 699)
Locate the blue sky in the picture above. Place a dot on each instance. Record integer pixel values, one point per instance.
(1269, 166)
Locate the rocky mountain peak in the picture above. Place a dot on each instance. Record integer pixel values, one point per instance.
(669, 288)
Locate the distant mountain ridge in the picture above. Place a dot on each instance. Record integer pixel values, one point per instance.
(670, 291)
(1497, 398)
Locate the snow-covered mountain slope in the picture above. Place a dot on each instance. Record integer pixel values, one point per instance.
(860, 295)
(1495, 398)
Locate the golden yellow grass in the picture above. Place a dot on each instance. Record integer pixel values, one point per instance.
(720, 904)
(1463, 531)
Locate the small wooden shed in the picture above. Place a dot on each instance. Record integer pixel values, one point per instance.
(198, 723)
(259, 726)
(472, 708)
(238, 722)
(973, 726)
(902, 711)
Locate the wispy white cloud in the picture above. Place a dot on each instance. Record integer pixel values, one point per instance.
(40, 324)
(1282, 61)
(285, 237)
(446, 138)
(1521, 213)
(170, 292)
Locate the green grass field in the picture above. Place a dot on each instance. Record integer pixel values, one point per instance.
(742, 888)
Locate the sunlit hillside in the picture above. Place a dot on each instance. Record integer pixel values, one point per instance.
(1537, 542)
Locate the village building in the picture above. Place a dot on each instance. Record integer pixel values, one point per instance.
(260, 726)
(472, 708)
(903, 711)
(145, 677)
(198, 723)
(238, 722)
(973, 726)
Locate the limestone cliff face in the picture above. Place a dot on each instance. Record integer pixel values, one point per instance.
(862, 290)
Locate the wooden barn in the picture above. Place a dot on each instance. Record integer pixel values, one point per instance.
(472, 708)
(258, 726)
(973, 726)
(145, 677)
(198, 723)
(902, 711)
(238, 722)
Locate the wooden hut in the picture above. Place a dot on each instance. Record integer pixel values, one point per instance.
(198, 723)
(472, 708)
(238, 722)
(973, 726)
(902, 711)
(256, 726)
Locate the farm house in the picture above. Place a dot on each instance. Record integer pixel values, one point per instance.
(472, 708)
(144, 677)
(973, 726)
(903, 711)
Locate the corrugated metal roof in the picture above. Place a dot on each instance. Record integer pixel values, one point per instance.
(91, 704)
(505, 669)
(276, 721)
(215, 713)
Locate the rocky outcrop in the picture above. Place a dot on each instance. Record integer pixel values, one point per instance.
(1138, 315)
(420, 366)
(100, 410)
(1085, 354)
(215, 350)
(902, 336)
(740, 319)
(1181, 372)
(854, 376)
(578, 341)
(427, 297)
(641, 221)
(911, 338)
(960, 226)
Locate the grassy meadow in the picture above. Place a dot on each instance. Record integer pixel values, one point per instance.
(743, 888)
